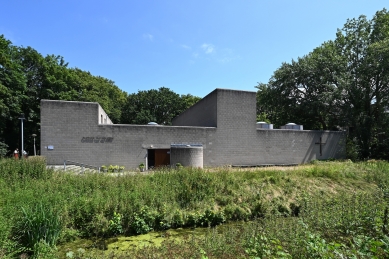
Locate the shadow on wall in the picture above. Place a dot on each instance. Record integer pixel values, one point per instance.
(327, 145)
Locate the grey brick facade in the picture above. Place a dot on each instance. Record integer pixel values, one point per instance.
(223, 123)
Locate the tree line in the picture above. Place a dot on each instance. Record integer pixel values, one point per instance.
(341, 85)
(27, 77)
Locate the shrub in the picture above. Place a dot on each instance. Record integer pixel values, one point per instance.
(260, 246)
(144, 221)
(193, 220)
(352, 149)
(43, 250)
(177, 219)
(235, 212)
(3, 149)
(7, 245)
(260, 209)
(68, 235)
(99, 226)
(212, 218)
(115, 224)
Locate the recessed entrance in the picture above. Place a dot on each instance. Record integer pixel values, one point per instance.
(158, 157)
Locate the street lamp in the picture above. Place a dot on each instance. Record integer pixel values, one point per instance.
(22, 118)
(34, 135)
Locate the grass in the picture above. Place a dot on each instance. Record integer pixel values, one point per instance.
(322, 205)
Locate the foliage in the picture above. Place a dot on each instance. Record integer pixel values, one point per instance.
(99, 226)
(113, 168)
(3, 149)
(26, 77)
(159, 106)
(143, 221)
(38, 224)
(115, 224)
(31, 168)
(43, 250)
(342, 84)
(334, 202)
(8, 245)
(260, 246)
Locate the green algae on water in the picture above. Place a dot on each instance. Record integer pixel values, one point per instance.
(123, 243)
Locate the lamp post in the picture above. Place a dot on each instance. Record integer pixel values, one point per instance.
(22, 118)
(34, 135)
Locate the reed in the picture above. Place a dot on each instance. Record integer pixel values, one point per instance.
(342, 197)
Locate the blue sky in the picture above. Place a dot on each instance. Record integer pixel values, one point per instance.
(188, 46)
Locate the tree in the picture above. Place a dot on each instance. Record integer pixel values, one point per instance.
(26, 77)
(303, 91)
(88, 88)
(341, 84)
(159, 106)
(364, 45)
(13, 92)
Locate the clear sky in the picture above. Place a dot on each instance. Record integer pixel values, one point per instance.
(191, 47)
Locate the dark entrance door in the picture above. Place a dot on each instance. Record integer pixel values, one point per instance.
(158, 157)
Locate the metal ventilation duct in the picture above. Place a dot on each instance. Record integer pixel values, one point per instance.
(264, 125)
(292, 126)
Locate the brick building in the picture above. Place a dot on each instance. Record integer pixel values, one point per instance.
(220, 129)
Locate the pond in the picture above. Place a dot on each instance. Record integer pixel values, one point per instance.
(125, 243)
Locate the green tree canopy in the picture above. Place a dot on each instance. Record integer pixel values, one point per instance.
(343, 84)
(159, 106)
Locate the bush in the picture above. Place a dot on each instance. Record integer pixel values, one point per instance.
(99, 226)
(352, 150)
(177, 220)
(7, 245)
(235, 212)
(115, 224)
(43, 250)
(144, 221)
(68, 235)
(3, 149)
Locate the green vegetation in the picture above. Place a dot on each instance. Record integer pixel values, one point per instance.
(159, 106)
(26, 77)
(341, 85)
(319, 210)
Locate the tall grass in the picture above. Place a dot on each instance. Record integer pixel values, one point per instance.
(39, 223)
(31, 168)
(90, 205)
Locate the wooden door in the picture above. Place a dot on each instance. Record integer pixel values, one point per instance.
(162, 157)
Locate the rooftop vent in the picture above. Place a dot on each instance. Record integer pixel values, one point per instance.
(264, 125)
(292, 126)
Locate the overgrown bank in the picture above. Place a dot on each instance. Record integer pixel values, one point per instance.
(322, 206)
